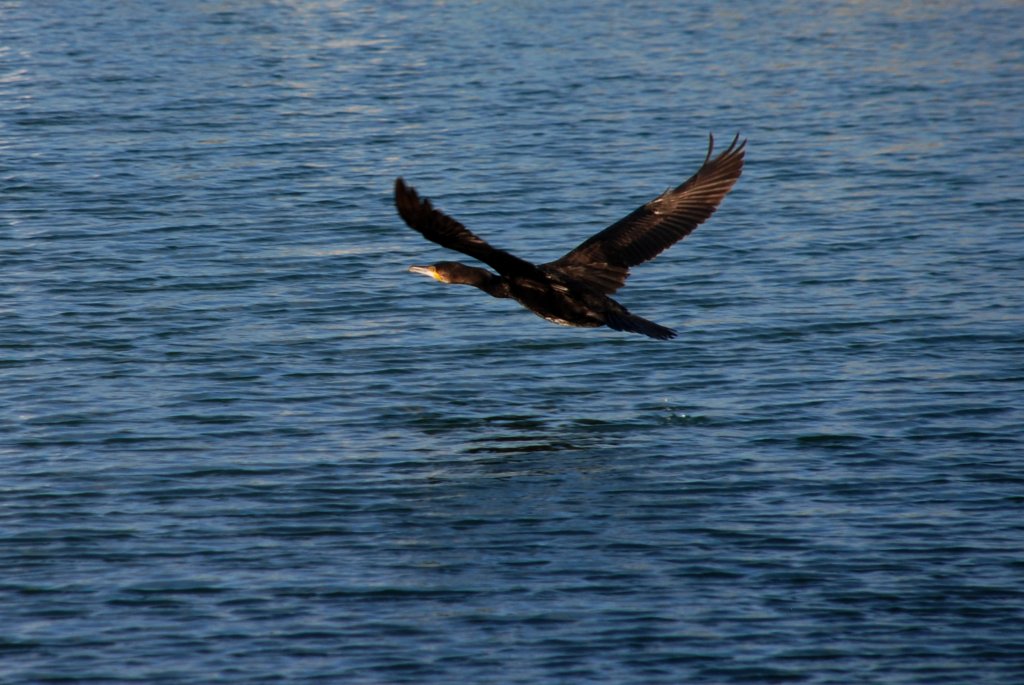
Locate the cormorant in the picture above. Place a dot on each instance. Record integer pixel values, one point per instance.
(574, 290)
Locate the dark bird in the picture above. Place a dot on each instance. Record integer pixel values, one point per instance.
(574, 290)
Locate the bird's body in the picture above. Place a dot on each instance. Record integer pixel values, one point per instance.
(576, 289)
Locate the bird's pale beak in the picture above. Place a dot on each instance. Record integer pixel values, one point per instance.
(426, 271)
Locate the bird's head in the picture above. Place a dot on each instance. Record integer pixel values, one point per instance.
(449, 272)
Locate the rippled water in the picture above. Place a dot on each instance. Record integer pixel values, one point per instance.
(241, 444)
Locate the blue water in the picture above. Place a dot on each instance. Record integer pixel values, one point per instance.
(241, 444)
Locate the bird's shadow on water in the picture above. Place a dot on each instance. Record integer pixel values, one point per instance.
(559, 399)
(504, 445)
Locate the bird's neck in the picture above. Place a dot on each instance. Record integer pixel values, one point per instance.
(493, 285)
(490, 283)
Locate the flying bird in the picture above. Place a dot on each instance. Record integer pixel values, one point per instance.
(576, 289)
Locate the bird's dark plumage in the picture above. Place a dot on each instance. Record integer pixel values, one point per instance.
(574, 289)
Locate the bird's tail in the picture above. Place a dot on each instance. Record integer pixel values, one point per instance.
(635, 324)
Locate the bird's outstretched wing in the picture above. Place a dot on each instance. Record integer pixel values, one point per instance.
(603, 260)
(440, 228)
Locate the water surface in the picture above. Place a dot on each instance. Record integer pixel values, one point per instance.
(241, 444)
